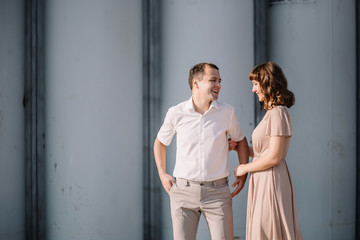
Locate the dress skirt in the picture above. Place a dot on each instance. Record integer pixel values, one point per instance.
(271, 207)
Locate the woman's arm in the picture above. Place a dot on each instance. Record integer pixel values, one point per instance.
(269, 160)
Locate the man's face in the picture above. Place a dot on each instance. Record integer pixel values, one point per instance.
(210, 84)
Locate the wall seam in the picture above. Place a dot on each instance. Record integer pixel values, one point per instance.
(151, 120)
(357, 24)
(33, 103)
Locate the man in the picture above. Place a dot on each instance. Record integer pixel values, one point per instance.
(202, 125)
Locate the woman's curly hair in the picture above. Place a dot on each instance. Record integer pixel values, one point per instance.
(273, 85)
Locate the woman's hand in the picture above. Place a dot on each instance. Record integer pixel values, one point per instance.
(232, 144)
(240, 170)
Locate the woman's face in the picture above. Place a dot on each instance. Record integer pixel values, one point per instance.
(256, 89)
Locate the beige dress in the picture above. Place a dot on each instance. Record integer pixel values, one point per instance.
(271, 209)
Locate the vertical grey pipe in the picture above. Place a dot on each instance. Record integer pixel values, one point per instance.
(151, 117)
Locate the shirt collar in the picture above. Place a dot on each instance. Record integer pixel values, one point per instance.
(190, 105)
(214, 104)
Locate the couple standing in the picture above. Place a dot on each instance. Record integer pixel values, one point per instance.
(202, 125)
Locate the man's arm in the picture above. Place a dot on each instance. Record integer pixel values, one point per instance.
(160, 160)
(242, 149)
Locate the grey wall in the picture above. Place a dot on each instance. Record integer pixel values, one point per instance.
(315, 44)
(93, 119)
(213, 31)
(93, 75)
(12, 164)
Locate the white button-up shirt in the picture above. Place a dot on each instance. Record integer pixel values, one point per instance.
(202, 146)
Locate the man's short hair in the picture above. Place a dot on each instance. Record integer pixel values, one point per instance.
(198, 71)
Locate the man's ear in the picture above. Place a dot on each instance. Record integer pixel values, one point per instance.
(195, 83)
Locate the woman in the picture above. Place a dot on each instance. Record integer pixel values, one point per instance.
(271, 209)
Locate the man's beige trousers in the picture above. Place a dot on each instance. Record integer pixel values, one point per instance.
(189, 199)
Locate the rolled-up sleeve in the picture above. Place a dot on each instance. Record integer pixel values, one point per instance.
(235, 131)
(167, 130)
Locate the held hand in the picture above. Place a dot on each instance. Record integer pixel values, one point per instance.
(232, 144)
(240, 170)
(239, 182)
(167, 182)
